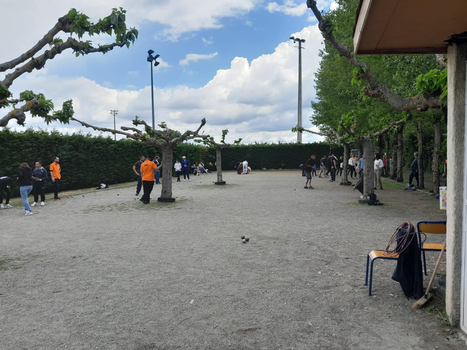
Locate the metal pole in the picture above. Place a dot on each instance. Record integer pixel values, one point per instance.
(299, 134)
(114, 112)
(152, 97)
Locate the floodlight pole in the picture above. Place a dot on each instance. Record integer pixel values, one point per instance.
(299, 112)
(151, 59)
(114, 112)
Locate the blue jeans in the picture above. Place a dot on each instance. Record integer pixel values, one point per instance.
(158, 176)
(24, 191)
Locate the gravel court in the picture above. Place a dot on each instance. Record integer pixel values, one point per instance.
(100, 270)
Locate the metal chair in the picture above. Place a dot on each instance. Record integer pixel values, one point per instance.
(430, 227)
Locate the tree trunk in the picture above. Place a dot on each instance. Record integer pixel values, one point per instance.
(346, 161)
(387, 141)
(393, 161)
(167, 164)
(436, 151)
(400, 152)
(219, 166)
(368, 168)
(421, 174)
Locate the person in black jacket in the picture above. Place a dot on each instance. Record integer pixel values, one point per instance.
(414, 168)
(5, 184)
(25, 185)
(38, 185)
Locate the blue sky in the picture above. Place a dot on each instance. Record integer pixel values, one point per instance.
(228, 61)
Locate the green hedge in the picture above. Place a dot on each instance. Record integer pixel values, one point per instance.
(88, 161)
(273, 156)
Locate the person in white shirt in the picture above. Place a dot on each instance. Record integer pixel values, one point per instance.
(178, 169)
(351, 166)
(245, 167)
(379, 165)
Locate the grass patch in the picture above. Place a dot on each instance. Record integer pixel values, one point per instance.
(5, 264)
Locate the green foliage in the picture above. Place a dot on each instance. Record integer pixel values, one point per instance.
(436, 80)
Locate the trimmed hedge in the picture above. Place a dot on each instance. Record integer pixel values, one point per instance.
(273, 156)
(88, 161)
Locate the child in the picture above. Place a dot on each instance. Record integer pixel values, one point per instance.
(178, 169)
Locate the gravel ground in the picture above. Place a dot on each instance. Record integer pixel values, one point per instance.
(100, 270)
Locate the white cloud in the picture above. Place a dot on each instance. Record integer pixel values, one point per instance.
(206, 41)
(289, 8)
(256, 100)
(194, 57)
(334, 6)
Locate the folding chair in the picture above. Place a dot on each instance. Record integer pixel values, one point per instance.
(372, 256)
(430, 227)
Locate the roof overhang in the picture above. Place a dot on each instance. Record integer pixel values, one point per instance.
(407, 26)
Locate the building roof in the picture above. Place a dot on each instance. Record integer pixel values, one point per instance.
(408, 26)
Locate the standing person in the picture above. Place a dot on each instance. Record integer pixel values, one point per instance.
(245, 167)
(157, 172)
(5, 184)
(351, 165)
(186, 168)
(38, 185)
(340, 166)
(178, 169)
(25, 185)
(137, 170)
(379, 166)
(322, 166)
(414, 170)
(332, 167)
(56, 175)
(147, 176)
(361, 165)
(309, 166)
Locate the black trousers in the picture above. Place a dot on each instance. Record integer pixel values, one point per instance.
(38, 187)
(56, 188)
(7, 192)
(413, 175)
(147, 189)
(333, 174)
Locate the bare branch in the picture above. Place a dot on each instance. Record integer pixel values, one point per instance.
(39, 62)
(47, 39)
(18, 113)
(375, 88)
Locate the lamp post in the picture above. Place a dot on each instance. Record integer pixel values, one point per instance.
(150, 59)
(299, 113)
(114, 112)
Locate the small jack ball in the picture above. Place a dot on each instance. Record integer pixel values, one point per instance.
(273, 241)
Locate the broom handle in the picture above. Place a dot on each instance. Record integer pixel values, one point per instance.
(436, 269)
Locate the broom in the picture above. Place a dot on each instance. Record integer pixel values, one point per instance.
(424, 299)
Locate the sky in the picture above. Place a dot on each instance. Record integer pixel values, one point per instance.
(229, 61)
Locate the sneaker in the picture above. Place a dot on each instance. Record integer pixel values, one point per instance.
(33, 204)
(28, 213)
(305, 187)
(42, 203)
(2, 206)
(311, 188)
(184, 179)
(189, 179)
(137, 194)
(8, 206)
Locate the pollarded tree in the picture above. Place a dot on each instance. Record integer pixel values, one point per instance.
(73, 23)
(219, 146)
